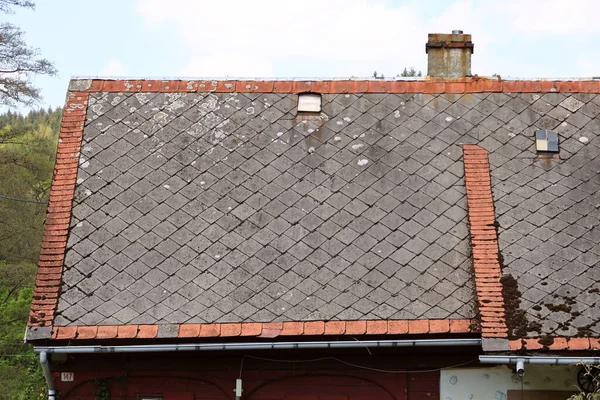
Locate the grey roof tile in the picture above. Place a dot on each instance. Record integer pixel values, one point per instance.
(197, 234)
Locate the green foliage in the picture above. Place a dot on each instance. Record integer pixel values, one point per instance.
(588, 382)
(102, 392)
(27, 152)
(20, 375)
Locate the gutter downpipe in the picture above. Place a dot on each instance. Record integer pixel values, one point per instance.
(47, 375)
(538, 360)
(257, 346)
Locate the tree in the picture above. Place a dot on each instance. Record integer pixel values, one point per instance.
(18, 62)
(27, 153)
(378, 76)
(410, 73)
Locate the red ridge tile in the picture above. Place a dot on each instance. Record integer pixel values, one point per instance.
(594, 343)
(292, 328)
(356, 327)
(147, 331)
(314, 328)
(432, 85)
(533, 344)
(397, 327)
(282, 86)
(251, 329)
(377, 327)
(210, 330)
(439, 326)
(127, 331)
(559, 344)
(301, 86)
(418, 326)
(579, 343)
(233, 329)
(66, 332)
(515, 345)
(460, 325)
(321, 86)
(107, 332)
(484, 239)
(189, 330)
(335, 328)
(58, 214)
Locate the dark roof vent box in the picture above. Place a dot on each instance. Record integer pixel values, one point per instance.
(546, 141)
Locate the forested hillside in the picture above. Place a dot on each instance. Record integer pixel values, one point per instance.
(27, 151)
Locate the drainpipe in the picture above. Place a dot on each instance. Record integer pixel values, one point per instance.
(47, 375)
(259, 346)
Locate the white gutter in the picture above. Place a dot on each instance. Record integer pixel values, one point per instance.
(258, 346)
(47, 375)
(547, 360)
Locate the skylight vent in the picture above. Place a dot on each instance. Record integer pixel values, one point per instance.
(309, 102)
(546, 141)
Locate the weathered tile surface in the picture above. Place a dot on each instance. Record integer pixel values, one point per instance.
(548, 208)
(226, 207)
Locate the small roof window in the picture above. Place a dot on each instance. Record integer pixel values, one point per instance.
(309, 102)
(546, 141)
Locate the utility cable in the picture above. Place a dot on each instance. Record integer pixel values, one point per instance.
(22, 200)
(360, 366)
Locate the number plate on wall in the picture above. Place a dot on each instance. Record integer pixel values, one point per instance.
(67, 376)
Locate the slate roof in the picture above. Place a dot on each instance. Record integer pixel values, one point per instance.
(213, 202)
(548, 211)
(226, 207)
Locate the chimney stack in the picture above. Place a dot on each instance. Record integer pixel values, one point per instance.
(449, 55)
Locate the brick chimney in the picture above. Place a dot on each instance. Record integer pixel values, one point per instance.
(449, 55)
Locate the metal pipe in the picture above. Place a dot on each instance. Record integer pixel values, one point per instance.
(258, 346)
(538, 360)
(47, 375)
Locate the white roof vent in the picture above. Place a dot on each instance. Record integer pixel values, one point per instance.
(309, 102)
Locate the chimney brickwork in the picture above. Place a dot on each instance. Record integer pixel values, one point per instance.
(449, 55)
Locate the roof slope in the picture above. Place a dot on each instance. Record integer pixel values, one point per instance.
(226, 207)
(213, 202)
(548, 213)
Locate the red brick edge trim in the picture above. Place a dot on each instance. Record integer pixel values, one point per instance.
(266, 330)
(434, 85)
(58, 216)
(555, 343)
(484, 242)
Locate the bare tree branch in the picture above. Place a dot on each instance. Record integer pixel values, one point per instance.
(18, 62)
(6, 5)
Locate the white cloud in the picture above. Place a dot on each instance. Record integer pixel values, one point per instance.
(355, 37)
(554, 17)
(589, 66)
(231, 64)
(114, 68)
(338, 32)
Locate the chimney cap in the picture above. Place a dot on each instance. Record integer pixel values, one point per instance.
(457, 32)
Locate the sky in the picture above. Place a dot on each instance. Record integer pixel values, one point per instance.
(307, 38)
